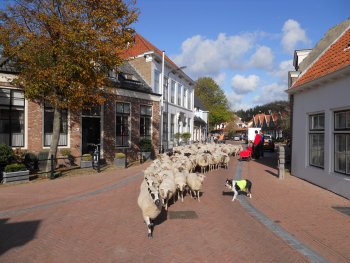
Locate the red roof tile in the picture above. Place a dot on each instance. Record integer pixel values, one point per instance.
(142, 45)
(336, 57)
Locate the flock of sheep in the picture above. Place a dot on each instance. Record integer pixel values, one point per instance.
(181, 170)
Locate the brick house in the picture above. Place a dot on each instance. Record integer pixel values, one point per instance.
(130, 113)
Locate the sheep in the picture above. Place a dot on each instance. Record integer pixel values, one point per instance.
(195, 181)
(225, 160)
(180, 182)
(150, 204)
(167, 187)
(202, 161)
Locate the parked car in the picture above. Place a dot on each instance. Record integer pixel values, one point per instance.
(269, 144)
(236, 137)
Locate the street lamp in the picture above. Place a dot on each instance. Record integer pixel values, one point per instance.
(165, 98)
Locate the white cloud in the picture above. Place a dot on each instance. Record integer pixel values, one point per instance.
(292, 35)
(204, 56)
(262, 58)
(270, 93)
(235, 101)
(282, 70)
(242, 85)
(220, 78)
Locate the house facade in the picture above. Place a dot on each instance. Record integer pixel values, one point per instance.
(320, 112)
(200, 123)
(269, 123)
(169, 80)
(129, 114)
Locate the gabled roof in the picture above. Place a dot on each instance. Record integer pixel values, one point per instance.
(141, 46)
(8, 65)
(198, 104)
(334, 58)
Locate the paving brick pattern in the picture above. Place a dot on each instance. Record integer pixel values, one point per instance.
(95, 218)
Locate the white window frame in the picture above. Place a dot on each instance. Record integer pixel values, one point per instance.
(316, 140)
(342, 149)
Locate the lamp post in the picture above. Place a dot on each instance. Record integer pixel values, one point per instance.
(167, 106)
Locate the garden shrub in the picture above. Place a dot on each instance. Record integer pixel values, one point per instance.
(15, 167)
(6, 153)
(86, 157)
(119, 155)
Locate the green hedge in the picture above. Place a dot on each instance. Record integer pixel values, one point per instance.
(15, 167)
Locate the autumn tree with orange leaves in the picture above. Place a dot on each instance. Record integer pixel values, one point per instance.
(64, 49)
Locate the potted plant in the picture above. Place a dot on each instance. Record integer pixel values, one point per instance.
(15, 172)
(86, 161)
(119, 159)
(14, 169)
(68, 157)
(186, 136)
(146, 148)
(177, 137)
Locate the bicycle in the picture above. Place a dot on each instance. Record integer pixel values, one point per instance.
(96, 158)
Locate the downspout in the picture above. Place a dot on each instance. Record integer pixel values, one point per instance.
(161, 103)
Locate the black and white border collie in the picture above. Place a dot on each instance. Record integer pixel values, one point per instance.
(239, 185)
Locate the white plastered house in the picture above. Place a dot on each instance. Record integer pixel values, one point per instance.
(319, 92)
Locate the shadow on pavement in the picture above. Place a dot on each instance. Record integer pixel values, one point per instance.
(16, 234)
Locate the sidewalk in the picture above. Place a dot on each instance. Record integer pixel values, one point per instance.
(304, 210)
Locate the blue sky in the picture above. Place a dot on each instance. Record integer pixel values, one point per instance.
(246, 46)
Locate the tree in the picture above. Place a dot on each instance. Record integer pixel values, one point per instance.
(65, 48)
(214, 99)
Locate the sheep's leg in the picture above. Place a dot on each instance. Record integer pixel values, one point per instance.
(198, 195)
(166, 203)
(182, 196)
(149, 225)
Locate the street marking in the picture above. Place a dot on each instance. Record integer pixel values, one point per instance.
(72, 198)
(279, 231)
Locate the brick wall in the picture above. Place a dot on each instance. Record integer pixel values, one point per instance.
(35, 127)
(109, 142)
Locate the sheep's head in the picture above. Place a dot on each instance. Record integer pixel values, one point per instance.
(153, 192)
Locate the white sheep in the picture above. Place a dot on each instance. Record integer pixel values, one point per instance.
(167, 187)
(180, 182)
(195, 181)
(150, 204)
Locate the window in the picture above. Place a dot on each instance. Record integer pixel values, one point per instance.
(165, 89)
(316, 140)
(189, 124)
(156, 82)
(185, 99)
(122, 127)
(48, 126)
(165, 126)
(172, 92)
(342, 142)
(145, 122)
(172, 126)
(179, 88)
(12, 117)
(189, 104)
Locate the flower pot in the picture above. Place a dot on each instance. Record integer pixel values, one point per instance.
(120, 162)
(19, 176)
(85, 164)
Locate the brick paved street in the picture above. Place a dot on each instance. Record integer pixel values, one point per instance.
(95, 218)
